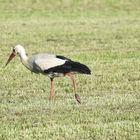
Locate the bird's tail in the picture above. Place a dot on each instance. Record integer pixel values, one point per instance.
(81, 68)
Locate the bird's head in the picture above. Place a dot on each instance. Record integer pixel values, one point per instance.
(17, 50)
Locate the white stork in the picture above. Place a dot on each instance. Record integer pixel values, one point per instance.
(51, 65)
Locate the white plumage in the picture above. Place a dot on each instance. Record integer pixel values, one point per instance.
(48, 62)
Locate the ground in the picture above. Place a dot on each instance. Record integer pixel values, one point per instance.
(104, 35)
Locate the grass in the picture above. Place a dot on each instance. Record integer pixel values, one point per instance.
(101, 34)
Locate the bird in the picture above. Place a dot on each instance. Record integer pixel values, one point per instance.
(50, 65)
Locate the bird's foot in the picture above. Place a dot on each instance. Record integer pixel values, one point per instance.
(77, 97)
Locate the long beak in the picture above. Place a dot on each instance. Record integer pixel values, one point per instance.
(10, 58)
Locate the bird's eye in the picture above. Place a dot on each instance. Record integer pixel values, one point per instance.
(13, 50)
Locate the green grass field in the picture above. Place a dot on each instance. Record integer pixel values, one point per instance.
(104, 35)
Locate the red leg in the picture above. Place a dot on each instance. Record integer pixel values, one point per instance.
(52, 90)
(74, 86)
(73, 81)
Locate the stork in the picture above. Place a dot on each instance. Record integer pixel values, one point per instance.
(50, 65)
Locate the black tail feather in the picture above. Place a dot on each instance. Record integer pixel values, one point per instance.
(81, 68)
(69, 66)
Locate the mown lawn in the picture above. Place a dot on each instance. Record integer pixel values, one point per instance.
(104, 35)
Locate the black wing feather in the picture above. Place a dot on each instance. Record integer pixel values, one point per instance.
(65, 68)
(62, 57)
(69, 66)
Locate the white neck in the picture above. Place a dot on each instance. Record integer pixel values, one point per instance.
(23, 56)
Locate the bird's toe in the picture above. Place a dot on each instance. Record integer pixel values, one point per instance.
(78, 98)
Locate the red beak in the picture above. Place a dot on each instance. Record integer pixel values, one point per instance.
(10, 58)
